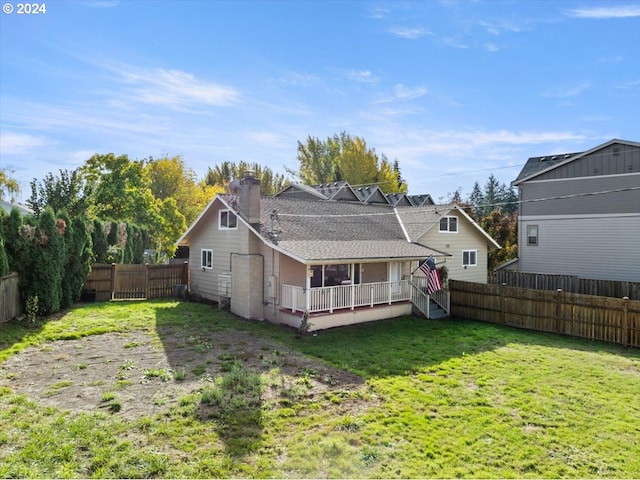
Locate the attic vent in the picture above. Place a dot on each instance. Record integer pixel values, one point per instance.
(566, 156)
(616, 151)
(554, 157)
(543, 159)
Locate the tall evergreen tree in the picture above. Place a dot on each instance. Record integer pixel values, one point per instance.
(4, 262)
(99, 241)
(71, 253)
(48, 256)
(80, 261)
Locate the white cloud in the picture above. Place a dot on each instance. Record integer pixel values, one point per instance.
(618, 11)
(362, 76)
(499, 28)
(18, 144)
(454, 42)
(439, 161)
(409, 33)
(571, 91)
(630, 85)
(379, 12)
(265, 138)
(403, 93)
(300, 79)
(491, 47)
(177, 88)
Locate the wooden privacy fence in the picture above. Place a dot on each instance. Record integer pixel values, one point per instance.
(614, 320)
(567, 283)
(10, 304)
(112, 282)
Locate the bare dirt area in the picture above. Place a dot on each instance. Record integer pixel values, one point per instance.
(147, 374)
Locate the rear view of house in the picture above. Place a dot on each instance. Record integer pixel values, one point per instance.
(580, 213)
(324, 258)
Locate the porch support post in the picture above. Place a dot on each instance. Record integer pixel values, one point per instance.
(353, 296)
(307, 291)
(331, 293)
(390, 285)
(353, 279)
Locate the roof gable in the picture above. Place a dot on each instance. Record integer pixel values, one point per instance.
(417, 221)
(537, 166)
(398, 200)
(421, 200)
(302, 191)
(371, 194)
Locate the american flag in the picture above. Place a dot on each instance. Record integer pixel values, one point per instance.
(433, 279)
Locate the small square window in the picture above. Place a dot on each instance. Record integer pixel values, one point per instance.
(206, 259)
(228, 220)
(449, 224)
(469, 258)
(532, 235)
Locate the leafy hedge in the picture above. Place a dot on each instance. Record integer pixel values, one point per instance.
(53, 253)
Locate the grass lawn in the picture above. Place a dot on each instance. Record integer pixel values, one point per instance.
(450, 398)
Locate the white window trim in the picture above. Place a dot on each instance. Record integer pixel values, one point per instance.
(529, 244)
(470, 264)
(448, 230)
(229, 212)
(205, 264)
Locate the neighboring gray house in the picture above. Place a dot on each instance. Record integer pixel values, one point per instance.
(8, 206)
(580, 213)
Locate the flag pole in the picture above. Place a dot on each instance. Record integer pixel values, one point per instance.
(420, 263)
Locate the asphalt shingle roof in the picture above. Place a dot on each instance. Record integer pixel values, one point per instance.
(537, 164)
(341, 230)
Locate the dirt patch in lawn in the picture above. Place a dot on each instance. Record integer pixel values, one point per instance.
(137, 374)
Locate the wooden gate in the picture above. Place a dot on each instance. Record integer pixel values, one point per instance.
(130, 281)
(135, 281)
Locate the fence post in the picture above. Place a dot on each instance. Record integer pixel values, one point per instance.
(113, 280)
(558, 309)
(146, 280)
(503, 303)
(625, 321)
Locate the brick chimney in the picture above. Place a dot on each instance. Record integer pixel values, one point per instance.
(249, 198)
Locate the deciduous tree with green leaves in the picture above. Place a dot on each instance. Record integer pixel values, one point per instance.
(65, 191)
(344, 157)
(222, 174)
(8, 185)
(169, 177)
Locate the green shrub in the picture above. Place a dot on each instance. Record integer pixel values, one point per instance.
(4, 261)
(48, 261)
(32, 309)
(99, 241)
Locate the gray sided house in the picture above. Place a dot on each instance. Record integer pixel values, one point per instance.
(301, 258)
(580, 213)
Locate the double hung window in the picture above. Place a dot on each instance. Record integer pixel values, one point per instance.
(449, 224)
(206, 259)
(532, 235)
(469, 258)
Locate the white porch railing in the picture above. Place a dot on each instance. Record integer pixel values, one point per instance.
(441, 297)
(322, 299)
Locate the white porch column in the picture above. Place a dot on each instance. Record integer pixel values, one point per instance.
(353, 291)
(307, 293)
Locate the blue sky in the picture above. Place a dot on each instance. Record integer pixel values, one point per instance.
(455, 90)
